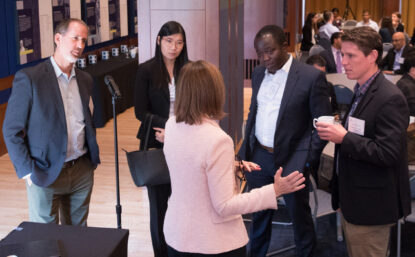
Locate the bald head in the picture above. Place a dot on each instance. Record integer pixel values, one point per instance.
(398, 40)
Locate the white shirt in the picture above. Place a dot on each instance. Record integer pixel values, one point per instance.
(334, 51)
(269, 101)
(371, 24)
(329, 29)
(74, 115)
(172, 93)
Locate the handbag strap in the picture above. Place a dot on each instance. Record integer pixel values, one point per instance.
(148, 131)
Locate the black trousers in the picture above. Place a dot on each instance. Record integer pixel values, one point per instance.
(158, 196)
(297, 205)
(240, 252)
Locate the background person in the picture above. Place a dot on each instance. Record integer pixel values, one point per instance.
(155, 94)
(203, 215)
(395, 57)
(333, 56)
(367, 21)
(407, 83)
(396, 22)
(370, 183)
(286, 96)
(309, 32)
(319, 63)
(386, 29)
(49, 132)
(328, 28)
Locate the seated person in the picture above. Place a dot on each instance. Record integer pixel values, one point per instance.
(333, 56)
(407, 83)
(386, 29)
(366, 21)
(391, 64)
(328, 28)
(319, 63)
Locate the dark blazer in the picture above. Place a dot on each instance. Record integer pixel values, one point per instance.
(35, 129)
(387, 62)
(307, 37)
(330, 62)
(371, 184)
(305, 97)
(407, 85)
(150, 99)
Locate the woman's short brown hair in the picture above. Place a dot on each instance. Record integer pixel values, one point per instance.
(200, 93)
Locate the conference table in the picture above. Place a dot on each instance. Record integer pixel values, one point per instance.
(40, 240)
(123, 70)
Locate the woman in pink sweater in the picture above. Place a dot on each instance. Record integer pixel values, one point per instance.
(204, 209)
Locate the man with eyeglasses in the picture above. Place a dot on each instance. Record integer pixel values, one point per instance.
(49, 133)
(392, 62)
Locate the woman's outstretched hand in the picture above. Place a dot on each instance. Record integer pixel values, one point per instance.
(288, 184)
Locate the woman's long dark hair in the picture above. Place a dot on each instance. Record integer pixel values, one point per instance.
(162, 77)
(387, 23)
(309, 22)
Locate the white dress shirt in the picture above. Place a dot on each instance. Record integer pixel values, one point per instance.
(398, 59)
(371, 24)
(172, 93)
(329, 29)
(269, 101)
(73, 112)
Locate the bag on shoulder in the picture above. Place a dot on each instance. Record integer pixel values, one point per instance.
(148, 167)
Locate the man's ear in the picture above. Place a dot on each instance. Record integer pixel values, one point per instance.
(57, 38)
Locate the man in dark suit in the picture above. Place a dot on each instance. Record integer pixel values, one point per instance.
(407, 83)
(49, 133)
(370, 182)
(333, 56)
(395, 57)
(286, 96)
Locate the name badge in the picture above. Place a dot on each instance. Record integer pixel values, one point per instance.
(356, 126)
(401, 60)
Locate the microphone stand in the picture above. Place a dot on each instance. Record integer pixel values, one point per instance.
(118, 207)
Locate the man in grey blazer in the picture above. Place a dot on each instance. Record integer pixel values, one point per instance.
(286, 96)
(49, 132)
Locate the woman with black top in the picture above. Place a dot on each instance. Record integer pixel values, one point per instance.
(396, 22)
(386, 30)
(155, 95)
(309, 30)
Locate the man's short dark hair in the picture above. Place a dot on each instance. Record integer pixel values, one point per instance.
(367, 39)
(62, 27)
(365, 11)
(317, 60)
(335, 36)
(409, 61)
(327, 15)
(276, 32)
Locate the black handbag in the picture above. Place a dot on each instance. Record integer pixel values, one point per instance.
(148, 167)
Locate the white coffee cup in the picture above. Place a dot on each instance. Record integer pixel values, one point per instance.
(115, 51)
(124, 49)
(327, 119)
(92, 58)
(81, 62)
(105, 55)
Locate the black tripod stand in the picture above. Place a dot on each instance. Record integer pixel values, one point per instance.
(346, 11)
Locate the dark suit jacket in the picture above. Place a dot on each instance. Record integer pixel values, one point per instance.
(387, 62)
(386, 35)
(371, 185)
(35, 129)
(407, 85)
(305, 97)
(150, 99)
(330, 62)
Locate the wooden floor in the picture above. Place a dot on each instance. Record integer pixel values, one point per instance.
(134, 201)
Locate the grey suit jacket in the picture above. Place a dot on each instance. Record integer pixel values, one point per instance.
(35, 129)
(305, 97)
